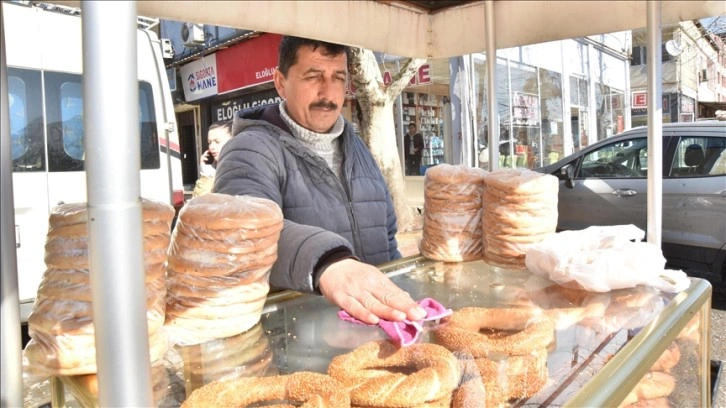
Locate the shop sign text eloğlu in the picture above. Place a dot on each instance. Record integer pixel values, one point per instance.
(227, 109)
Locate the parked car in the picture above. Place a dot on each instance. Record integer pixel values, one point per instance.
(606, 184)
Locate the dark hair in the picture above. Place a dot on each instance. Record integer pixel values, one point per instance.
(226, 124)
(289, 45)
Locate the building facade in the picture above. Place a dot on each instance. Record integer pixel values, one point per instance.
(553, 98)
(693, 64)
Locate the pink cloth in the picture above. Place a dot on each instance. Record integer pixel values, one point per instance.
(405, 332)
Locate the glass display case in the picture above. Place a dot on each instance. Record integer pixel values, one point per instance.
(629, 340)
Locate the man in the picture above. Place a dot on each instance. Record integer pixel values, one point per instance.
(218, 135)
(413, 145)
(338, 212)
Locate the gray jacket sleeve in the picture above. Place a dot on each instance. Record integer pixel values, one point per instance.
(253, 164)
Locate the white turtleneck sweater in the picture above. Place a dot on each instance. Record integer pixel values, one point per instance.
(325, 145)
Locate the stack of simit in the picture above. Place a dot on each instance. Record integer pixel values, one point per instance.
(520, 209)
(61, 324)
(452, 213)
(223, 248)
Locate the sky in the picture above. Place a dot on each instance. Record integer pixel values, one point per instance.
(716, 25)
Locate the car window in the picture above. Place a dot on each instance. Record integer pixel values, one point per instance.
(72, 120)
(26, 121)
(64, 108)
(624, 159)
(699, 156)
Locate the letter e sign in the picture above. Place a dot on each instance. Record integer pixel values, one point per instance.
(640, 99)
(424, 74)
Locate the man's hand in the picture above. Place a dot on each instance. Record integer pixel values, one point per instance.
(366, 293)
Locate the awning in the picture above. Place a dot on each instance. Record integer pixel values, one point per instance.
(426, 29)
(713, 105)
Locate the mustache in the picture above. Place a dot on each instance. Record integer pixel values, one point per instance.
(324, 105)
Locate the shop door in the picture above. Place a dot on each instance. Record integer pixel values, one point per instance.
(188, 147)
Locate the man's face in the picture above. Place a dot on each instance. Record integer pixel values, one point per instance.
(411, 130)
(314, 88)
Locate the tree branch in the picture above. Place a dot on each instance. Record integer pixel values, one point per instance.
(403, 77)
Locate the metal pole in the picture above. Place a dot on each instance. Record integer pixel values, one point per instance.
(568, 145)
(111, 120)
(655, 123)
(457, 105)
(466, 132)
(627, 118)
(470, 139)
(493, 122)
(592, 73)
(511, 114)
(540, 146)
(12, 371)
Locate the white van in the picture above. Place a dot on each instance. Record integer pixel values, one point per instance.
(44, 60)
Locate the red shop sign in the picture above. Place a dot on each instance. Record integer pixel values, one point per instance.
(248, 63)
(640, 100)
(422, 76)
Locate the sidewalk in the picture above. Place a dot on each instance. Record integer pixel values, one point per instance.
(408, 242)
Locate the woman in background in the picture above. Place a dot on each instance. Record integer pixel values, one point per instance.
(218, 135)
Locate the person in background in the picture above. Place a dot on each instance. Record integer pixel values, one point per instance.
(413, 145)
(218, 135)
(303, 155)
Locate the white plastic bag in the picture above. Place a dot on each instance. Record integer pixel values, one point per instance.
(603, 258)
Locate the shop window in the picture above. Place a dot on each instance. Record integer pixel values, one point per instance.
(551, 144)
(603, 105)
(573, 91)
(503, 96)
(584, 100)
(524, 78)
(637, 55)
(426, 111)
(617, 99)
(640, 55)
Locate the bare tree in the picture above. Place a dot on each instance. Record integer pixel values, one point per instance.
(375, 100)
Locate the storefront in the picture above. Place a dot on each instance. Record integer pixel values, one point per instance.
(553, 99)
(218, 85)
(424, 104)
(675, 107)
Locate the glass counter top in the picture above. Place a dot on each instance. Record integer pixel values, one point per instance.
(595, 360)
